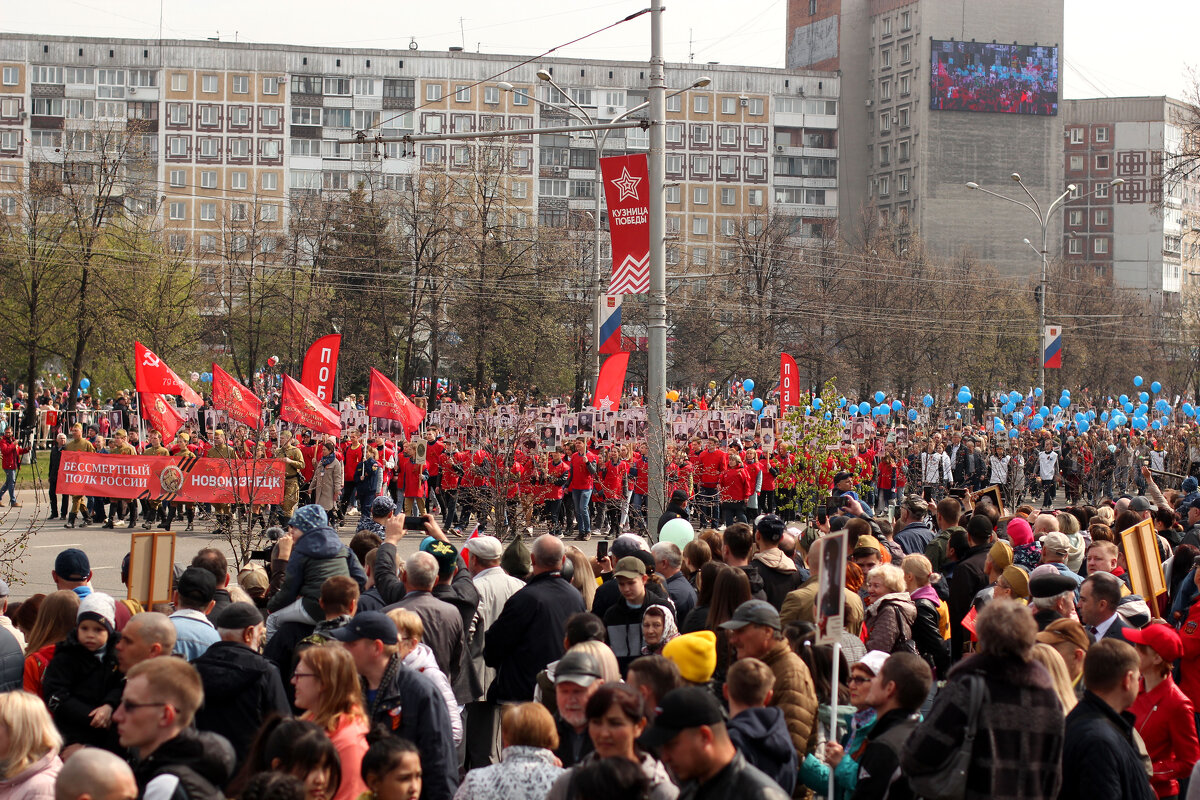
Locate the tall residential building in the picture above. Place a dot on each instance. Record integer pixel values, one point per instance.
(236, 132)
(1141, 235)
(925, 87)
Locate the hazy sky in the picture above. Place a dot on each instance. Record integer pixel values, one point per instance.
(1105, 54)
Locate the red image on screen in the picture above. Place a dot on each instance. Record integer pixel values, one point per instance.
(996, 78)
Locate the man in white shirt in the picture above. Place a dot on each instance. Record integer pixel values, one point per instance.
(1048, 475)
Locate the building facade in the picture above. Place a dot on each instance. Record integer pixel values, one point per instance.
(234, 134)
(909, 156)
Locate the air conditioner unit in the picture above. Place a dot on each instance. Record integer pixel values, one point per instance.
(558, 170)
(133, 90)
(778, 148)
(612, 109)
(743, 101)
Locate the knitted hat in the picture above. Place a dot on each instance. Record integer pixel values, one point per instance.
(695, 654)
(309, 518)
(1001, 554)
(98, 607)
(1019, 532)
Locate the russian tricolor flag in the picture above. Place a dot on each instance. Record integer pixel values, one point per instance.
(610, 323)
(1052, 347)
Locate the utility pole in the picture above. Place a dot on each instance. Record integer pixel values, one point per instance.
(656, 385)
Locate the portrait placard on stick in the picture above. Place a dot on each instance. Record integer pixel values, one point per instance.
(151, 567)
(1145, 567)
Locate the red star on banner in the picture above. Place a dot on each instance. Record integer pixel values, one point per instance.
(627, 184)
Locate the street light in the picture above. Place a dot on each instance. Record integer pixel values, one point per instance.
(1043, 219)
(578, 113)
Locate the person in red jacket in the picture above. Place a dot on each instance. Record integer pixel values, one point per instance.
(734, 487)
(411, 475)
(10, 455)
(1165, 719)
(352, 454)
(450, 469)
(558, 474)
(433, 466)
(770, 468)
(583, 470)
(639, 474)
(614, 473)
(710, 465)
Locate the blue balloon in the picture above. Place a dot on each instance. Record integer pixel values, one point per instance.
(1156, 425)
(1035, 423)
(997, 425)
(816, 403)
(1018, 418)
(1128, 407)
(1104, 417)
(1123, 399)
(1043, 411)
(1139, 423)
(1006, 409)
(964, 396)
(1156, 387)
(84, 384)
(1058, 426)
(828, 415)
(912, 414)
(748, 385)
(1056, 410)
(957, 415)
(1013, 433)
(1083, 426)
(756, 404)
(1188, 409)
(1163, 406)
(841, 402)
(864, 408)
(927, 400)
(1137, 380)
(1091, 415)
(1037, 392)
(879, 397)
(1112, 423)
(897, 405)
(1143, 396)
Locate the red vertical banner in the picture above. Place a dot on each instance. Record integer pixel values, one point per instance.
(789, 382)
(320, 366)
(627, 192)
(610, 385)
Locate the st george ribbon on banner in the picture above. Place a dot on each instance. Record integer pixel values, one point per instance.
(386, 401)
(151, 374)
(187, 478)
(299, 405)
(627, 192)
(320, 366)
(238, 402)
(160, 411)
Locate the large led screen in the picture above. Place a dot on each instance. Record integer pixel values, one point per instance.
(996, 78)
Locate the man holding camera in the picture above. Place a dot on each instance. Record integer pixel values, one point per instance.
(10, 455)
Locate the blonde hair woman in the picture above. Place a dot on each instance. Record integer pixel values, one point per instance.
(328, 690)
(1049, 658)
(29, 747)
(583, 578)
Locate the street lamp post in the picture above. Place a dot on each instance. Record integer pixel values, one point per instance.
(1043, 218)
(578, 113)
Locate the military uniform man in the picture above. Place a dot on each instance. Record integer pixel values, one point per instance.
(150, 507)
(78, 444)
(120, 446)
(293, 457)
(221, 449)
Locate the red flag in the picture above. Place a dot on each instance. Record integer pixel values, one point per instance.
(320, 366)
(611, 383)
(152, 375)
(241, 404)
(789, 382)
(627, 190)
(300, 405)
(466, 548)
(387, 401)
(159, 410)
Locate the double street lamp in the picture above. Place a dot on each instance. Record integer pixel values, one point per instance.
(599, 137)
(1043, 218)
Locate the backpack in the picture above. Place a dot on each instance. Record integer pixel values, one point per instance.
(949, 782)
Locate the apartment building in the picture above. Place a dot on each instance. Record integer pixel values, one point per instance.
(237, 133)
(1143, 235)
(908, 150)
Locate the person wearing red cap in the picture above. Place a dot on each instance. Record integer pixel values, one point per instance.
(1165, 718)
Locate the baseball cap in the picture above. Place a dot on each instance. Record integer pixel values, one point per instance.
(873, 661)
(485, 548)
(630, 567)
(1161, 638)
(1141, 504)
(679, 496)
(72, 565)
(578, 667)
(382, 506)
(1065, 630)
(841, 476)
(916, 504)
(197, 586)
(368, 625)
(753, 612)
(1056, 543)
(679, 709)
(770, 527)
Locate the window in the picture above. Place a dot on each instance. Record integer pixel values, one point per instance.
(699, 226)
(364, 120)
(906, 21)
(208, 179)
(177, 146)
(674, 163)
(672, 226)
(208, 212)
(552, 188)
(210, 84)
(728, 227)
(336, 118)
(728, 135)
(433, 91)
(1102, 190)
(1076, 163)
(1101, 162)
(110, 84)
(885, 186)
(754, 197)
(178, 113)
(885, 90)
(701, 165)
(210, 147)
(885, 122)
(700, 104)
(238, 181)
(905, 53)
(241, 84)
(179, 81)
(887, 26)
(519, 190)
(728, 105)
(268, 212)
(756, 167)
(674, 133)
(270, 116)
(10, 107)
(674, 104)
(306, 116)
(462, 123)
(462, 94)
(756, 106)
(520, 97)
(10, 140)
(1075, 246)
(905, 85)
(902, 151)
(885, 155)
(178, 178)
(177, 211)
(48, 106)
(756, 137)
(904, 118)
(671, 194)
(270, 85)
(11, 76)
(44, 138)
(460, 155)
(110, 109)
(700, 196)
(45, 75)
(727, 165)
(364, 87)
(885, 58)
(210, 116)
(700, 134)
(728, 197)
(432, 123)
(337, 87)
(239, 116)
(491, 95)
(1100, 246)
(1076, 135)
(237, 212)
(269, 181)
(902, 182)
(1102, 134)
(1101, 217)
(1075, 218)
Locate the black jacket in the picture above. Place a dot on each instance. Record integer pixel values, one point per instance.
(528, 635)
(776, 583)
(880, 759)
(194, 765)
(624, 625)
(75, 683)
(12, 662)
(371, 600)
(738, 780)
(761, 735)
(927, 635)
(221, 601)
(608, 594)
(572, 746)
(387, 581)
(1099, 760)
(241, 689)
(672, 511)
(968, 579)
(462, 594)
(757, 590)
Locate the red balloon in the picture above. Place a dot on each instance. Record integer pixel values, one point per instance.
(272, 361)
